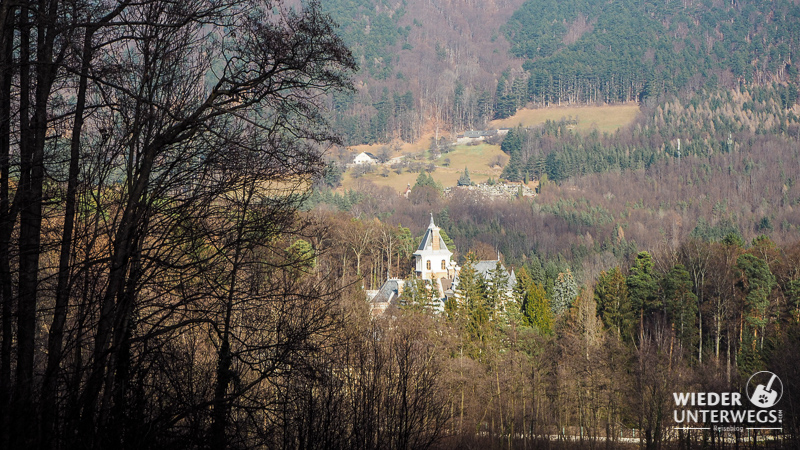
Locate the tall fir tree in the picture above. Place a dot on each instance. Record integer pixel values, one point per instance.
(756, 283)
(496, 288)
(471, 292)
(536, 309)
(643, 288)
(681, 305)
(536, 271)
(521, 287)
(613, 303)
(565, 289)
(464, 180)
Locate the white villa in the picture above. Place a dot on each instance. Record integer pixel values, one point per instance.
(433, 259)
(434, 264)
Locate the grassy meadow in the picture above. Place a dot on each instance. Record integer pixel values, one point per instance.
(478, 158)
(608, 118)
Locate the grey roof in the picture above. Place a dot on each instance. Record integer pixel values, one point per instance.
(388, 292)
(474, 134)
(426, 241)
(483, 268)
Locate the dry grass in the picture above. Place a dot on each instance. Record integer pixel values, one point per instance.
(602, 118)
(397, 148)
(476, 158)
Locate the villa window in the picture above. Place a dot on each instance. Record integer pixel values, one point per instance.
(429, 265)
(444, 265)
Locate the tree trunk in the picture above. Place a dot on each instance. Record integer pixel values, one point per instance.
(6, 219)
(56, 334)
(700, 341)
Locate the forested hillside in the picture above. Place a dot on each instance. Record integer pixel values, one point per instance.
(698, 125)
(603, 197)
(593, 51)
(424, 64)
(641, 272)
(452, 66)
(631, 284)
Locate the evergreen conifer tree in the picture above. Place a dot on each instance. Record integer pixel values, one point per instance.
(471, 292)
(613, 303)
(681, 304)
(565, 289)
(537, 310)
(643, 287)
(496, 287)
(464, 180)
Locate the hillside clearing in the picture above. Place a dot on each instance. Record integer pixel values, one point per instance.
(607, 118)
(476, 158)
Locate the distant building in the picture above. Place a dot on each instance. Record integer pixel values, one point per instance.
(433, 259)
(437, 272)
(470, 136)
(386, 296)
(365, 158)
(479, 135)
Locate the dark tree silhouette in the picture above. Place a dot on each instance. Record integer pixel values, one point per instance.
(153, 157)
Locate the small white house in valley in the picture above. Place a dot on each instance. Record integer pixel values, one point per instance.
(365, 158)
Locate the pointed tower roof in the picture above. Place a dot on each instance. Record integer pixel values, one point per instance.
(432, 240)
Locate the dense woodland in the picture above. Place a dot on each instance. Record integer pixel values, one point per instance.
(590, 51)
(426, 65)
(721, 122)
(174, 272)
(454, 65)
(595, 358)
(603, 197)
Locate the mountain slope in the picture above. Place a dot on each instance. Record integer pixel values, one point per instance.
(590, 51)
(448, 65)
(424, 63)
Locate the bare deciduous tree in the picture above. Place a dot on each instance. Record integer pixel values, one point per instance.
(179, 137)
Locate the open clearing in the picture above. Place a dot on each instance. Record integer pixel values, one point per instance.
(607, 118)
(477, 158)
